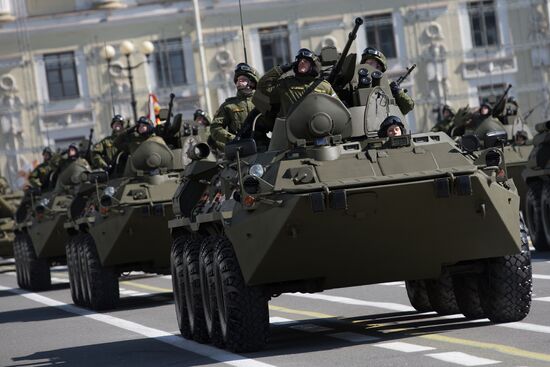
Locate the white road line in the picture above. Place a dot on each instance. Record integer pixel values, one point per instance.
(311, 328)
(541, 276)
(353, 301)
(404, 347)
(354, 337)
(462, 359)
(544, 299)
(280, 321)
(160, 335)
(527, 327)
(401, 283)
(59, 280)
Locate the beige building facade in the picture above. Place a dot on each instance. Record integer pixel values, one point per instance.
(55, 85)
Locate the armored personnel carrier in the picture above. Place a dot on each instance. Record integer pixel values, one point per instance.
(119, 224)
(329, 204)
(40, 237)
(535, 176)
(8, 205)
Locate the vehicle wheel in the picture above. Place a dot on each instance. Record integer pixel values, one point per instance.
(36, 272)
(466, 290)
(441, 294)
(73, 267)
(101, 282)
(208, 291)
(177, 268)
(507, 284)
(18, 260)
(418, 295)
(192, 288)
(533, 214)
(243, 312)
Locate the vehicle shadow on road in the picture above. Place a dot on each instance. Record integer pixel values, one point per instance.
(136, 352)
(288, 339)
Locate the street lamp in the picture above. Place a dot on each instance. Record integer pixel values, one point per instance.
(127, 48)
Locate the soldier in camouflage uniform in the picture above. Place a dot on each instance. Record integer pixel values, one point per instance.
(230, 116)
(130, 139)
(287, 90)
(104, 153)
(376, 58)
(40, 176)
(446, 122)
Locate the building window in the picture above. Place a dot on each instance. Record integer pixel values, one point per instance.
(61, 76)
(490, 93)
(275, 46)
(380, 34)
(483, 23)
(169, 63)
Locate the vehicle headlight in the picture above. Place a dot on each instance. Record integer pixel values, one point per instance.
(44, 202)
(256, 170)
(109, 191)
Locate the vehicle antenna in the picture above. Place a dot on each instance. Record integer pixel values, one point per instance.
(242, 32)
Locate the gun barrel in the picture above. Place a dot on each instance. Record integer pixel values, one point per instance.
(351, 37)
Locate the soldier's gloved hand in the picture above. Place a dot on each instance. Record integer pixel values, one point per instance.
(395, 89)
(287, 67)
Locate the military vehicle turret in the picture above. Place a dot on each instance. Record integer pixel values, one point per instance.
(119, 224)
(8, 205)
(40, 236)
(535, 176)
(330, 204)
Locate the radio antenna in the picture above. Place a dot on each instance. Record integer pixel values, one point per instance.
(242, 32)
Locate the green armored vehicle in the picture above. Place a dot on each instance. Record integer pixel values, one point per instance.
(119, 224)
(8, 206)
(40, 236)
(535, 176)
(329, 204)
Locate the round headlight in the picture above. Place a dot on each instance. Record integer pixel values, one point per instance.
(109, 191)
(44, 202)
(256, 170)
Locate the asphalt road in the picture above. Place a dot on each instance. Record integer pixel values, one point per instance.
(361, 326)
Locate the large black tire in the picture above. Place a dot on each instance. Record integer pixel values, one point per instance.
(243, 311)
(73, 267)
(418, 295)
(18, 260)
(208, 291)
(101, 282)
(177, 268)
(192, 288)
(533, 214)
(506, 284)
(466, 288)
(441, 294)
(35, 272)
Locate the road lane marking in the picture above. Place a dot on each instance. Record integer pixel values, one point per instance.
(504, 349)
(145, 286)
(354, 337)
(540, 276)
(275, 320)
(543, 299)
(316, 315)
(404, 347)
(527, 327)
(462, 359)
(160, 335)
(353, 301)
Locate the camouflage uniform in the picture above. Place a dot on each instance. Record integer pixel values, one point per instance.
(104, 153)
(445, 124)
(40, 176)
(129, 140)
(231, 115)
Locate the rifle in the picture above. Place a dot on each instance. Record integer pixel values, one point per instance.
(170, 106)
(351, 37)
(500, 101)
(402, 78)
(89, 148)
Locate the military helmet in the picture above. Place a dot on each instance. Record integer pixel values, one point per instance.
(47, 150)
(305, 53)
(512, 100)
(117, 118)
(373, 53)
(75, 147)
(389, 121)
(144, 120)
(247, 70)
(447, 107)
(199, 112)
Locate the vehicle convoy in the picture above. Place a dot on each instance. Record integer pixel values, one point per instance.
(40, 237)
(119, 224)
(8, 205)
(329, 204)
(536, 178)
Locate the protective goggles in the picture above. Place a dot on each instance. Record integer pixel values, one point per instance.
(304, 53)
(244, 67)
(372, 51)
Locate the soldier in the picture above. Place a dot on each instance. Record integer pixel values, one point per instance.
(130, 139)
(446, 121)
(287, 90)
(200, 118)
(104, 153)
(483, 122)
(375, 58)
(40, 176)
(231, 114)
(391, 126)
